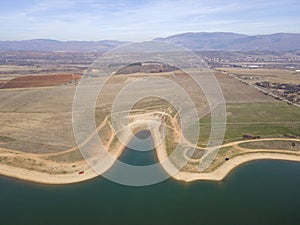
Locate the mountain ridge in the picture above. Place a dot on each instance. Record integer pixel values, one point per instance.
(56, 45)
(195, 41)
(228, 41)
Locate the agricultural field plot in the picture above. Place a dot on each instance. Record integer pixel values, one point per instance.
(260, 74)
(262, 120)
(40, 81)
(281, 84)
(235, 91)
(37, 120)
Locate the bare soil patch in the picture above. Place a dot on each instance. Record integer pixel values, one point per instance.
(40, 81)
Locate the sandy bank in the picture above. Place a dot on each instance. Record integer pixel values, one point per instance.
(221, 172)
(217, 175)
(45, 178)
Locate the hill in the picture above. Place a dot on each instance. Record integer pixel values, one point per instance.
(54, 45)
(224, 41)
(202, 41)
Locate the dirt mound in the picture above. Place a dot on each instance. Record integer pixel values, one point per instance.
(146, 67)
(40, 81)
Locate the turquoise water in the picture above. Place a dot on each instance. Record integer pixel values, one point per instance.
(260, 192)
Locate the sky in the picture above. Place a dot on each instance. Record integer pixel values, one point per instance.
(144, 19)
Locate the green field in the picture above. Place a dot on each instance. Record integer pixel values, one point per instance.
(274, 144)
(268, 119)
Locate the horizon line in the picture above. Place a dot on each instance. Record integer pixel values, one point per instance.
(188, 32)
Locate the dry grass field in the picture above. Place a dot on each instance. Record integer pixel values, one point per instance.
(39, 120)
(272, 75)
(235, 91)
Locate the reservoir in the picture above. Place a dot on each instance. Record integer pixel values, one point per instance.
(259, 192)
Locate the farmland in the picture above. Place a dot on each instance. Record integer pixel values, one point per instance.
(272, 119)
(283, 84)
(40, 81)
(36, 115)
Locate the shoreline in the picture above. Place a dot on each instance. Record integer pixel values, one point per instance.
(218, 174)
(46, 178)
(227, 167)
(108, 160)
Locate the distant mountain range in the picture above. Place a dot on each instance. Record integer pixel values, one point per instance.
(202, 41)
(224, 41)
(54, 45)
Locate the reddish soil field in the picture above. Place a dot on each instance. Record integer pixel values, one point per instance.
(40, 81)
(2, 83)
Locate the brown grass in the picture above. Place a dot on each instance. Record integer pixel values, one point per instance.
(272, 75)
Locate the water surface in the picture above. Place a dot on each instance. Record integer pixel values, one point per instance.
(259, 192)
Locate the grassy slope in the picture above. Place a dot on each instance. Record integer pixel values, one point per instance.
(276, 144)
(271, 119)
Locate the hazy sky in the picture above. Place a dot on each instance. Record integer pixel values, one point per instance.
(144, 19)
